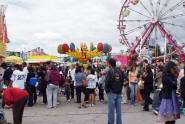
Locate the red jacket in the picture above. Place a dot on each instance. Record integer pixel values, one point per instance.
(12, 95)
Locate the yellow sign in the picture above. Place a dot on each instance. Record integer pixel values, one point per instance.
(3, 49)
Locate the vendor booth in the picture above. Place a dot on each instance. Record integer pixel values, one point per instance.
(42, 59)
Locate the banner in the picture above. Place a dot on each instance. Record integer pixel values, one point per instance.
(122, 59)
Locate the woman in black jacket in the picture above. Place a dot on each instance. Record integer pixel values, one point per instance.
(148, 87)
(169, 109)
(182, 90)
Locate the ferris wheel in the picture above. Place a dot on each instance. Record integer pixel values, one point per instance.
(146, 24)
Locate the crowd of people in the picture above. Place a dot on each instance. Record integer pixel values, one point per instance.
(122, 85)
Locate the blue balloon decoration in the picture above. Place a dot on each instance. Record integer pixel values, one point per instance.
(106, 48)
(72, 47)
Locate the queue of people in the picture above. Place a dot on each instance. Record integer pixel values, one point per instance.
(122, 84)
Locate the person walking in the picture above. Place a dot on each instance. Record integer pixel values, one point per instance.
(169, 110)
(133, 83)
(71, 74)
(18, 97)
(31, 89)
(91, 80)
(113, 86)
(18, 78)
(79, 76)
(148, 87)
(43, 84)
(182, 90)
(53, 86)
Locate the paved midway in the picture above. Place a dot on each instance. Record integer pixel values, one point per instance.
(70, 114)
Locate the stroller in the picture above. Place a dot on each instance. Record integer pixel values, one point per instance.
(156, 101)
(2, 118)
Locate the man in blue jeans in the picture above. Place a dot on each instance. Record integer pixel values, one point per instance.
(113, 86)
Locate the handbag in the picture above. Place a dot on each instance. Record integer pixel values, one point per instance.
(84, 83)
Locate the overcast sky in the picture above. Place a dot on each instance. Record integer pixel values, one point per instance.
(48, 23)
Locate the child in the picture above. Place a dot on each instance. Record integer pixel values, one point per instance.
(67, 88)
(91, 79)
(101, 88)
(182, 90)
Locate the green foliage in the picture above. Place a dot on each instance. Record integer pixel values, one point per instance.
(91, 47)
(67, 59)
(157, 52)
(109, 56)
(75, 59)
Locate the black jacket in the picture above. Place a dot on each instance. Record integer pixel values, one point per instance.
(169, 83)
(182, 87)
(148, 82)
(111, 85)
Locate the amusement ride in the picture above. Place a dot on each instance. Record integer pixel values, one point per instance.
(84, 54)
(146, 24)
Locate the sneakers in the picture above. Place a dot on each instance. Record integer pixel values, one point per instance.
(155, 112)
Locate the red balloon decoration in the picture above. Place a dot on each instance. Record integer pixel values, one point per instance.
(65, 48)
(100, 46)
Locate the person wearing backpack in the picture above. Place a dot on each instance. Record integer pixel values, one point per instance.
(30, 89)
(113, 87)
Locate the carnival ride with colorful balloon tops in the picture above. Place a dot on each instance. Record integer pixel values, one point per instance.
(83, 54)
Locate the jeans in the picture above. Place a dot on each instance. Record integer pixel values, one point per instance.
(114, 100)
(133, 92)
(67, 92)
(52, 95)
(183, 102)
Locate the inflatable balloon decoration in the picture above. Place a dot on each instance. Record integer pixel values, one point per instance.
(83, 54)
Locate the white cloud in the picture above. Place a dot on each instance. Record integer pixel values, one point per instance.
(47, 23)
(47, 36)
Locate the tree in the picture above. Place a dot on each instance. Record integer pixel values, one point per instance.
(67, 59)
(74, 59)
(91, 47)
(109, 56)
(157, 51)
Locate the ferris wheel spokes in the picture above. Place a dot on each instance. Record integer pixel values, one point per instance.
(172, 8)
(174, 16)
(165, 5)
(145, 8)
(139, 13)
(152, 7)
(158, 7)
(135, 29)
(181, 26)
